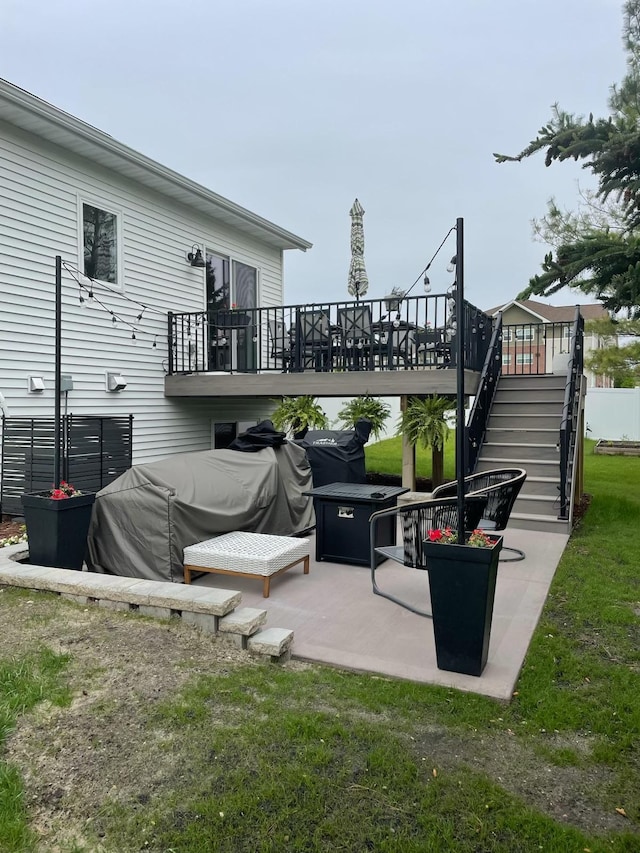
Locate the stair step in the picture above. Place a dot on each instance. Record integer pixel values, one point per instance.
(541, 485)
(541, 523)
(521, 435)
(524, 420)
(552, 408)
(550, 380)
(534, 452)
(533, 467)
(245, 621)
(547, 505)
(274, 642)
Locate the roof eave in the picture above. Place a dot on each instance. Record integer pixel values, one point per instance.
(52, 115)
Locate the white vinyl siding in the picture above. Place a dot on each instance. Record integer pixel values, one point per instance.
(40, 188)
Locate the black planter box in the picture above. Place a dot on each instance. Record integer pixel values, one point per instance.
(462, 584)
(57, 529)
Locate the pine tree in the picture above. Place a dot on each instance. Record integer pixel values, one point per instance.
(597, 251)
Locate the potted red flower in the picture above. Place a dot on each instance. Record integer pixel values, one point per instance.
(57, 523)
(462, 585)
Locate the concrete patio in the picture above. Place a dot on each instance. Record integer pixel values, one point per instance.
(337, 619)
(334, 615)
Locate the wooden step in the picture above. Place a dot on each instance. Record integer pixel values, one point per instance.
(523, 420)
(524, 406)
(533, 452)
(547, 505)
(541, 485)
(552, 381)
(521, 435)
(533, 467)
(541, 523)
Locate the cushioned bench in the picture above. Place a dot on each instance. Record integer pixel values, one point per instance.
(256, 555)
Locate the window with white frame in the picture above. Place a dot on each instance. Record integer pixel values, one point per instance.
(524, 358)
(100, 243)
(524, 333)
(506, 360)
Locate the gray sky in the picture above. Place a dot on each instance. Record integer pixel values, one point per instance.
(293, 108)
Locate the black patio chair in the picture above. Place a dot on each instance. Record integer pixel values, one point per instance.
(356, 336)
(313, 340)
(501, 487)
(416, 520)
(280, 342)
(431, 349)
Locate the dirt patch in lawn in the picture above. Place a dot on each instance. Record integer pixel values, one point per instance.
(104, 747)
(10, 526)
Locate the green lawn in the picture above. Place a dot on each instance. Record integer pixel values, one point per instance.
(385, 457)
(315, 759)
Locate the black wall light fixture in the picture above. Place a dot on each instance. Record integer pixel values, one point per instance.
(195, 256)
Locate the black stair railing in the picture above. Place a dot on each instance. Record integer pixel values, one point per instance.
(481, 408)
(570, 413)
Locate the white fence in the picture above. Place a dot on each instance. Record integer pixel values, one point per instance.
(613, 413)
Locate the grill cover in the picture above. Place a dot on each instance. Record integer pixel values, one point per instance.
(143, 520)
(337, 456)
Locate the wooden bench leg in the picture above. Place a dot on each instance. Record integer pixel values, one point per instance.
(265, 586)
(306, 565)
(187, 574)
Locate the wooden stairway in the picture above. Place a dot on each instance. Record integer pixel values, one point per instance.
(524, 431)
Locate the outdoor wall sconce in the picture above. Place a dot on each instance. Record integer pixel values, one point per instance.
(195, 256)
(115, 382)
(35, 384)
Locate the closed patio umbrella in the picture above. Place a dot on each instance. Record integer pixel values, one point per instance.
(358, 281)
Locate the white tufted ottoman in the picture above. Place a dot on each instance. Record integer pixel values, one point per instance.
(255, 555)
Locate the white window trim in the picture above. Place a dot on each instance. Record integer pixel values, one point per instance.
(524, 358)
(118, 287)
(506, 359)
(524, 337)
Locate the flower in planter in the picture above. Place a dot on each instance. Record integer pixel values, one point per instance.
(66, 490)
(447, 536)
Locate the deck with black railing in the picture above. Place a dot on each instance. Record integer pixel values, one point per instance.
(330, 349)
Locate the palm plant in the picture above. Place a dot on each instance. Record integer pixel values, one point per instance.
(297, 414)
(423, 423)
(375, 410)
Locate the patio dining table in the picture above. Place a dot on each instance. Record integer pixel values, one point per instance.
(394, 341)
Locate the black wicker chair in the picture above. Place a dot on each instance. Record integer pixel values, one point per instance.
(501, 486)
(416, 520)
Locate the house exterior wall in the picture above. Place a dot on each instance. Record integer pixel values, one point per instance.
(545, 349)
(41, 191)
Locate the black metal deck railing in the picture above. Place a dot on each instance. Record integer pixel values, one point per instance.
(532, 348)
(401, 334)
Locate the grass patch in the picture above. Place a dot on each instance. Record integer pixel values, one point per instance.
(385, 457)
(268, 758)
(311, 780)
(24, 682)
